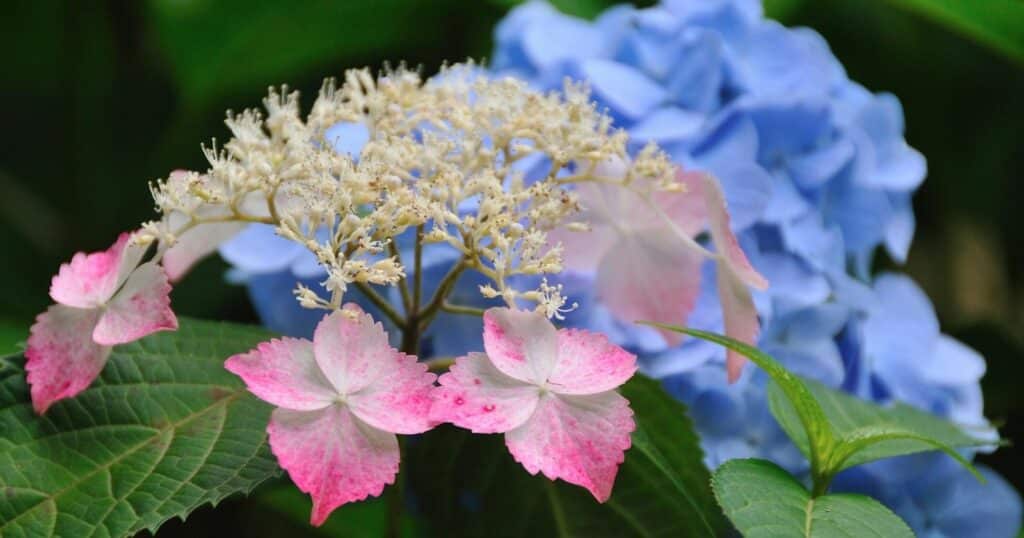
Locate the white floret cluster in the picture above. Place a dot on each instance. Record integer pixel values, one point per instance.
(441, 159)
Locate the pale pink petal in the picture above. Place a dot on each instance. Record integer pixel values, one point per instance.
(521, 344)
(739, 314)
(283, 372)
(351, 349)
(62, 359)
(90, 280)
(723, 238)
(581, 251)
(687, 209)
(589, 363)
(398, 400)
(333, 456)
(580, 439)
(650, 276)
(477, 396)
(140, 308)
(196, 244)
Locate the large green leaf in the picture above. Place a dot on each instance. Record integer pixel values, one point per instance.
(216, 47)
(164, 430)
(469, 485)
(764, 501)
(997, 23)
(867, 431)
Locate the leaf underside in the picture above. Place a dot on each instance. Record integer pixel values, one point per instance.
(764, 501)
(164, 430)
(469, 485)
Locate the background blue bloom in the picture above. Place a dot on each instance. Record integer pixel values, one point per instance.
(818, 177)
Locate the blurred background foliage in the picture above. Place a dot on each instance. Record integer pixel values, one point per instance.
(105, 95)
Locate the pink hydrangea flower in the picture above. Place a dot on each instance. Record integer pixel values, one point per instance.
(551, 392)
(103, 299)
(340, 401)
(645, 259)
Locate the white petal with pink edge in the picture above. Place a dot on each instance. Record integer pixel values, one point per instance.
(399, 399)
(740, 316)
(523, 345)
(90, 280)
(725, 242)
(140, 308)
(196, 244)
(579, 439)
(62, 359)
(475, 395)
(333, 456)
(284, 373)
(351, 349)
(589, 363)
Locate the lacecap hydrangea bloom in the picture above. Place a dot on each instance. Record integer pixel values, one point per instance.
(504, 179)
(818, 177)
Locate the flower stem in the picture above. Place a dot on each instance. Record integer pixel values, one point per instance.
(381, 303)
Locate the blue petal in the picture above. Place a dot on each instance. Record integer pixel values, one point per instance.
(899, 230)
(258, 249)
(697, 75)
(627, 92)
(667, 124)
(348, 137)
(958, 505)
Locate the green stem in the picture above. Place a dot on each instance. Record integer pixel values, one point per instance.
(381, 303)
(403, 284)
(395, 500)
(462, 309)
(417, 289)
(443, 289)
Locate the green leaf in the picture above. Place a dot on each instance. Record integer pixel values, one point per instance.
(997, 23)
(806, 409)
(764, 501)
(216, 47)
(164, 430)
(868, 432)
(469, 485)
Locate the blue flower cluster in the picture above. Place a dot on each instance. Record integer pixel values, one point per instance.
(817, 176)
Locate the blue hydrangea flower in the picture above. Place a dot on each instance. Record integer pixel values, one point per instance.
(818, 177)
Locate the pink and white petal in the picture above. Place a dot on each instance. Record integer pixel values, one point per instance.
(582, 251)
(196, 244)
(140, 308)
(399, 400)
(475, 395)
(650, 276)
(90, 280)
(351, 349)
(333, 456)
(62, 359)
(739, 314)
(589, 363)
(284, 373)
(523, 345)
(579, 439)
(687, 209)
(725, 242)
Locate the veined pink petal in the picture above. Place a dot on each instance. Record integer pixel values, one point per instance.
(62, 357)
(739, 314)
(523, 345)
(580, 439)
(351, 349)
(90, 280)
(581, 251)
(687, 209)
(333, 456)
(140, 308)
(399, 399)
(477, 396)
(196, 244)
(589, 363)
(650, 276)
(723, 238)
(283, 372)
